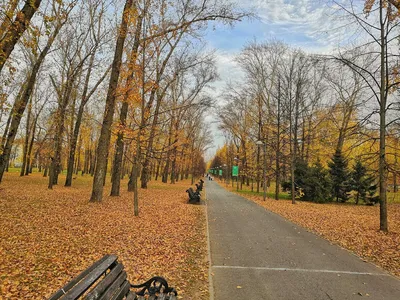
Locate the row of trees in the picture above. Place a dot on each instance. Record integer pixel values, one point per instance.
(61, 59)
(307, 108)
(318, 184)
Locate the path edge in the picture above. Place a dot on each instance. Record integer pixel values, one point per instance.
(210, 280)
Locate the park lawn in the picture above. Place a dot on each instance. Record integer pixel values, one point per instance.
(48, 237)
(353, 227)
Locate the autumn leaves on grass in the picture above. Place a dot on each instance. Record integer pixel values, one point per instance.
(49, 237)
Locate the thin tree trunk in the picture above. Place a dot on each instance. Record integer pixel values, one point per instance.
(119, 151)
(166, 168)
(19, 106)
(292, 152)
(61, 112)
(85, 98)
(395, 173)
(78, 160)
(26, 141)
(278, 144)
(173, 165)
(29, 154)
(158, 169)
(382, 126)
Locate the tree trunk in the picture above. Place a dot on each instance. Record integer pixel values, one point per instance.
(51, 174)
(278, 145)
(72, 149)
(382, 126)
(61, 112)
(26, 141)
(119, 151)
(29, 154)
(19, 106)
(150, 144)
(292, 152)
(175, 153)
(16, 29)
(105, 134)
(78, 160)
(166, 168)
(74, 138)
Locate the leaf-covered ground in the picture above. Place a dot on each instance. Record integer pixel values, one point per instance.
(48, 237)
(353, 227)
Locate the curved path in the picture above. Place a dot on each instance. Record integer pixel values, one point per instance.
(256, 254)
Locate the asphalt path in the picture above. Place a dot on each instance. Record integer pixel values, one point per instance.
(256, 254)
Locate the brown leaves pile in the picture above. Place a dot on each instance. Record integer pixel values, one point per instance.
(352, 227)
(48, 237)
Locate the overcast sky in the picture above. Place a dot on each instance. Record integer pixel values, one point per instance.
(312, 25)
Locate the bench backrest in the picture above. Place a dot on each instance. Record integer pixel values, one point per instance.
(190, 192)
(114, 285)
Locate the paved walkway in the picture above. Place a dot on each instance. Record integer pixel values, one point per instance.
(255, 254)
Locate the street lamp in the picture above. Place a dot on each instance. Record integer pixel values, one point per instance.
(226, 175)
(237, 176)
(259, 143)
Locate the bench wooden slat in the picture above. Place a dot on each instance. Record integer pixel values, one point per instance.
(105, 283)
(95, 274)
(124, 289)
(114, 286)
(131, 296)
(61, 292)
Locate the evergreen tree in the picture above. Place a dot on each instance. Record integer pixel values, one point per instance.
(371, 197)
(360, 182)
(312, 182)
(339, 177)
(300, 173)
(317, 184)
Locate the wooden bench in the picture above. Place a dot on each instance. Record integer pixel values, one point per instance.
(198, 188)
(200, 185)
(106, 279)
(194, 197)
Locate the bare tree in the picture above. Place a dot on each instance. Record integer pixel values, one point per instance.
(379, 74)
(17, 111)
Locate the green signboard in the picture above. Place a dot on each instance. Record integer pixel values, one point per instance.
(235, 171)
(220, 172)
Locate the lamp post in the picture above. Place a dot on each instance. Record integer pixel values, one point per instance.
(259, 143)
(226, 175)
(237, 176)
